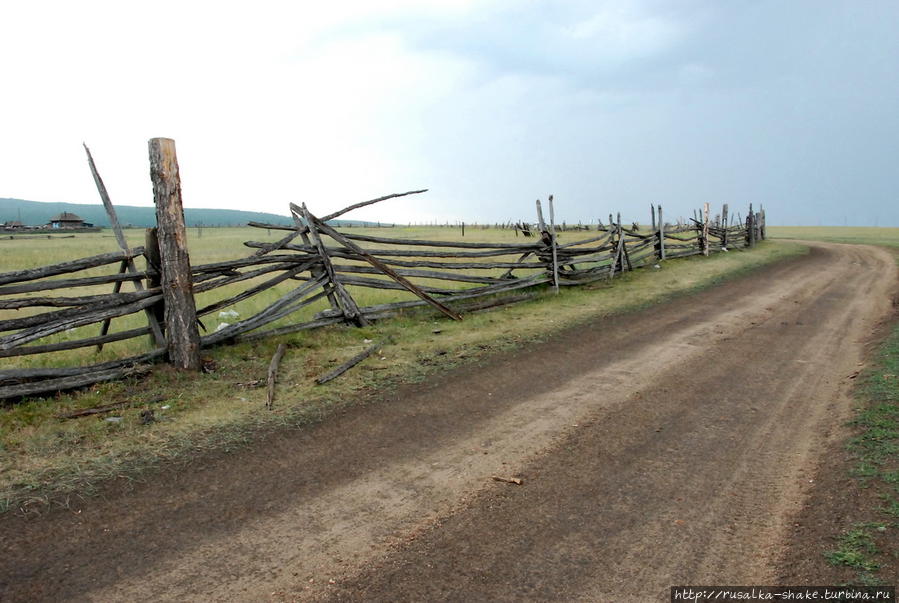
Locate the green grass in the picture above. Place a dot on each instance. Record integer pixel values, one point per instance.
(886, 237)
(875, 445)
(856, 548)
(215, 245)
(44, 459)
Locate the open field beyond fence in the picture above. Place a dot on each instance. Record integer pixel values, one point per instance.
(75, 322)
(862, 235)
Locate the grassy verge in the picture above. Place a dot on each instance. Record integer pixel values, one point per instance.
(885, 237)
(868, 546)
(44, 459)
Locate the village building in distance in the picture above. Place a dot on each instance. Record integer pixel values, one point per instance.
(66, 221)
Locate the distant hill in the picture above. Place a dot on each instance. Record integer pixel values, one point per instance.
(37, 213)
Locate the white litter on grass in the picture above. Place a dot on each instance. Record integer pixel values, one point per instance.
(113, 419)
(656, 266)
(221, 326)
(229, 314)
(367, 340)
(166, 407)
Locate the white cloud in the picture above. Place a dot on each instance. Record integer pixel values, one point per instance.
(490, 103)
(620, 32)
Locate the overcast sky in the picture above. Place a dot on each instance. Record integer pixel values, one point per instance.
(611, 105)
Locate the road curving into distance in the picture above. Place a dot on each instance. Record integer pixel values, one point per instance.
(670, 445)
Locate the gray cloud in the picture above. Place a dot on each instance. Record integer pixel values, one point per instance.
(610, 106)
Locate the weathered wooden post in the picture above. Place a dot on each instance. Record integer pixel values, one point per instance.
(154, 267)
(182, 335)
(762, 225)
(347, 305)
(724, 226)
(705, 229)
(661, 235)
(156, 334)
(552, 226)
(549, 240)
(750, 227)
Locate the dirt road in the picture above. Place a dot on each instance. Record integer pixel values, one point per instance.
(666, 446)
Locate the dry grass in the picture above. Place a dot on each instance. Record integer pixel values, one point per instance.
(215, 245)
(43, 458)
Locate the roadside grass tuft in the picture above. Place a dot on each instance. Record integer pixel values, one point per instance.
(876, 452)
(856, 548)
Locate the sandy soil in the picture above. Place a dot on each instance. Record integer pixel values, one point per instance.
(672, 445)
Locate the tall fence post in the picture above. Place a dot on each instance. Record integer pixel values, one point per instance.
(154, 268)
(661, 235)
(724, 226)
(182, 335)
(750, 227)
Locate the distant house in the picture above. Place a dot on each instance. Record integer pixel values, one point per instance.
(68, 220)
(12, 224)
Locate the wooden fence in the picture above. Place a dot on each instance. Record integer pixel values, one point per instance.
(322, 263)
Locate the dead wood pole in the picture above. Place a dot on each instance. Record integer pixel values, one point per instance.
(128, 264)
(661, 234)
(272, 373)
(369, 202)
(552, 226)
(724, 226)
(547, 239)
(183, 336)
(627, 258)
(652, 208)
(317, 271)
(384, 268)
(154, 271)
(750, 230)
(762, 225)
(619, 247)
(116, 288)
(347, 365)
(705, 229)
(347, 304)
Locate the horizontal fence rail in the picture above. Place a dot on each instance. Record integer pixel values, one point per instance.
(326, 266)
(312, 263)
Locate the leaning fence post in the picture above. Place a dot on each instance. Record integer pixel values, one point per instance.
(548, 240)
(156, 334)
(552, 226)
(705, 229)
(348, 305)
(182, 335)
